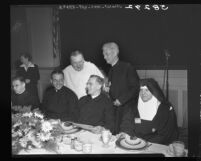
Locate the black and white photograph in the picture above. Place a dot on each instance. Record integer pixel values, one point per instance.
(104, 79)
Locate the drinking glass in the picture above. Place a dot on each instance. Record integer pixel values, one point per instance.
(106, 136)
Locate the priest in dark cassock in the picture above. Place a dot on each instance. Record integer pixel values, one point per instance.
(59, 102)
(123, 83)
(156, 119)
(20, 96)
(96, 108)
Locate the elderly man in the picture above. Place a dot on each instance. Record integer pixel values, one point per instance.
(60, 102)
(96, 108)
(123, 82)
(77, 74)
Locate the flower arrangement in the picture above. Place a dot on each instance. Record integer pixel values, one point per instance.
(31, 130)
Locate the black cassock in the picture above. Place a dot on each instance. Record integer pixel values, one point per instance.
(61, 104)
(124, 87)
(162, 129)
(24, 99)
(97, 112)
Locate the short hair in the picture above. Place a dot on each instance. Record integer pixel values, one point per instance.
(57, 71)
(76, 52)
(26, 55)
(111, 46)
(98, 79)
(20, 78)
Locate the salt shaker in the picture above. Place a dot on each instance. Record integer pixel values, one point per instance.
(73, 143)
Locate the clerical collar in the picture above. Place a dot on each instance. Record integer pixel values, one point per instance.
(93, 97)
(58, 89)
(115, 62)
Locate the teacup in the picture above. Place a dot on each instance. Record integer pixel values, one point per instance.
(66, 140)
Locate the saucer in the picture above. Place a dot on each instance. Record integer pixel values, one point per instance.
(122, 144)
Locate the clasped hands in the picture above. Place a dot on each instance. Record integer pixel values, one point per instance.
(97, 129)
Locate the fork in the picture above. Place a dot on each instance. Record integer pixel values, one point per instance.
(146, 148)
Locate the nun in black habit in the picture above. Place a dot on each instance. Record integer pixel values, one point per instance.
(156, 120)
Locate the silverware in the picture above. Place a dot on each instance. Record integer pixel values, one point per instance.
(146, 148)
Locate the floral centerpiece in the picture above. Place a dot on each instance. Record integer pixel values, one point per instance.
(30, 130)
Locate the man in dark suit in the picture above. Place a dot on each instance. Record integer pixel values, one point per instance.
(123, 82)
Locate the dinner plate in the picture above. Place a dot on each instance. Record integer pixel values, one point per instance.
(130, 141)
(121, 142)
(69, 129)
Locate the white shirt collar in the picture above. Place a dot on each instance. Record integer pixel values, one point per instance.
(29, 65)
(115, 62)
(94, 96)
(26, 67)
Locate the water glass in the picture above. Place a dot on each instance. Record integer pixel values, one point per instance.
(106, 136)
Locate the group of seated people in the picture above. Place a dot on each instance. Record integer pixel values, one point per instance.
(80, 94)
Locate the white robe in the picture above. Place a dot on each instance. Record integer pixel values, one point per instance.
(77, 80)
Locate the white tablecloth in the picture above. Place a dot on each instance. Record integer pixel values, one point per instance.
(97, 148)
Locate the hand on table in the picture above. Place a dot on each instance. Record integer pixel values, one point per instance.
(97, 129)
(121, 135)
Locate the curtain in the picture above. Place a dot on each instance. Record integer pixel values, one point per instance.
(56, 36)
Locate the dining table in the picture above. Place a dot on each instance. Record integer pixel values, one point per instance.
(87, 137)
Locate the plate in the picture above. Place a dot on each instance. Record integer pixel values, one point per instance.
(130, 141)
(54, 121)
(121, 142)
(69, 129)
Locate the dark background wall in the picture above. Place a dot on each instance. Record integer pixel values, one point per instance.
(19, 34)
(141, 35)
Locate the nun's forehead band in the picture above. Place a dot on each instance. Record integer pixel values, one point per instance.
(143, 87)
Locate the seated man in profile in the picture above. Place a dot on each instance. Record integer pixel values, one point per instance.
(96, 108)
(59, 102)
